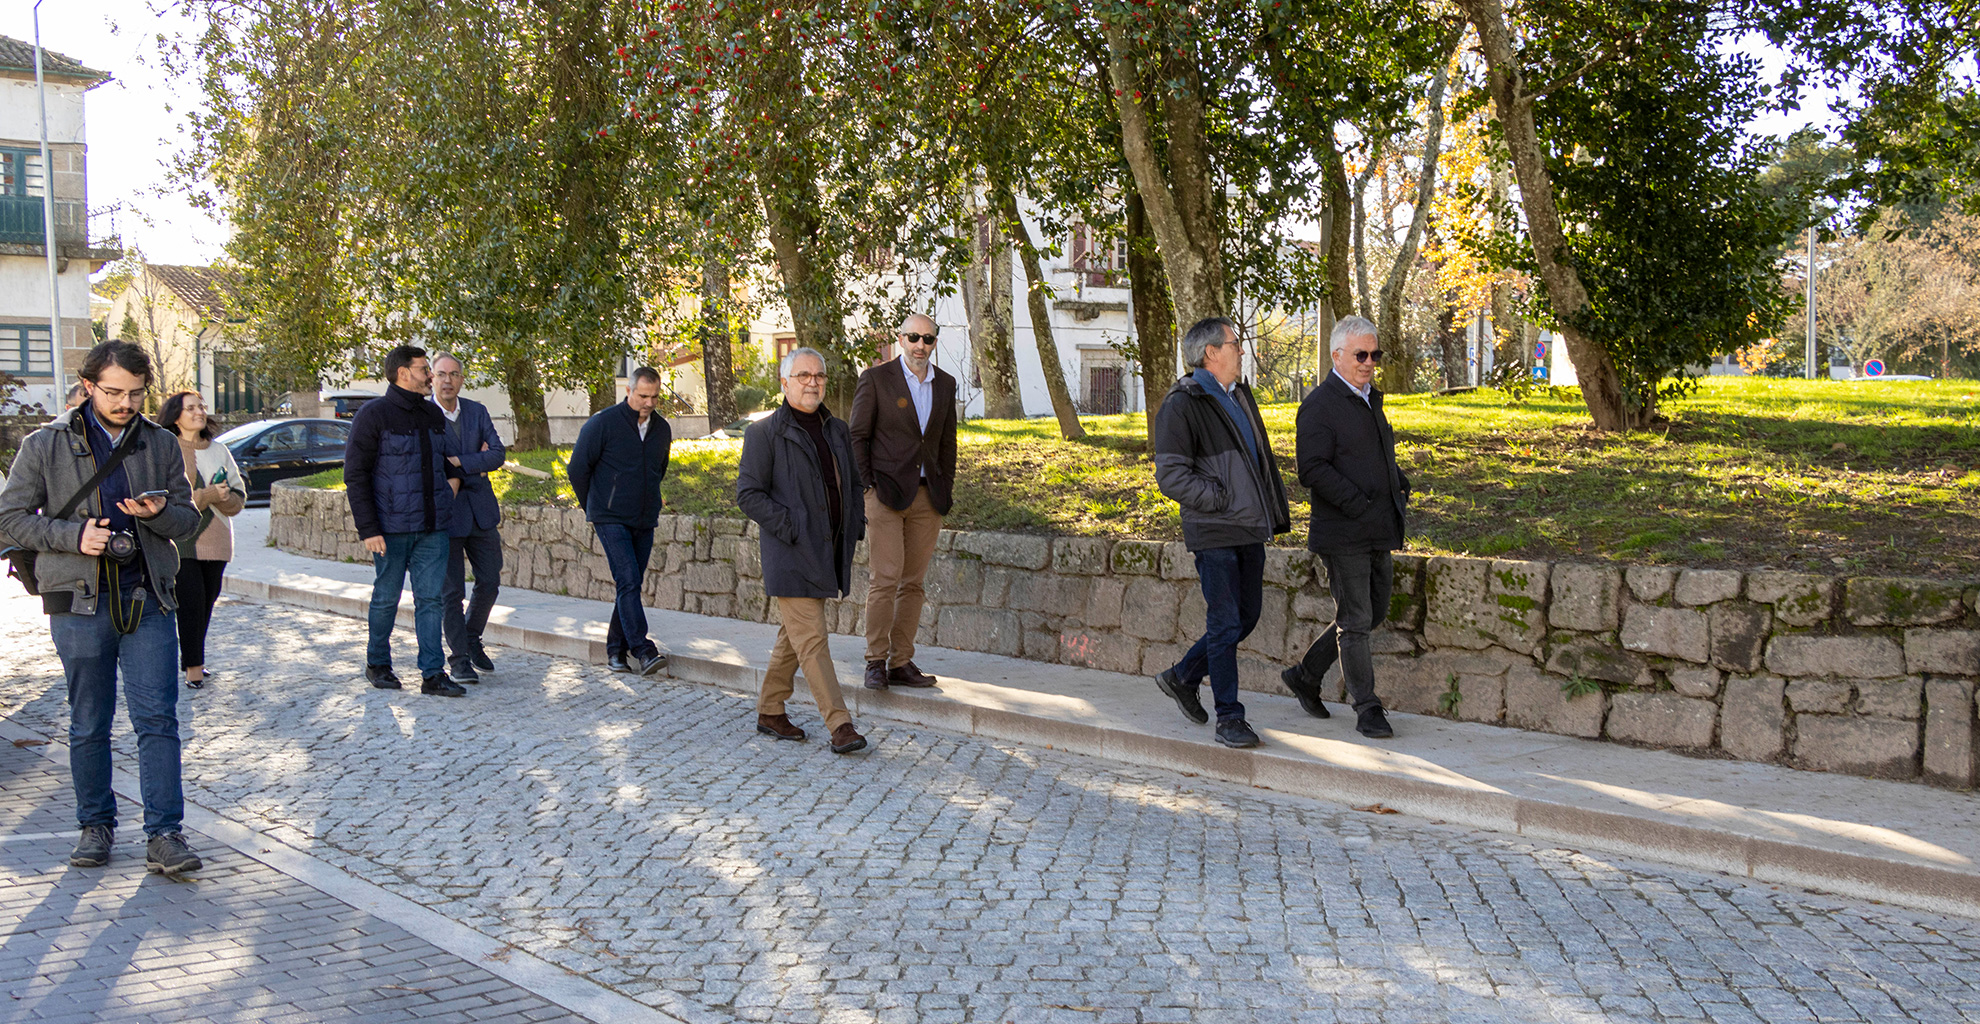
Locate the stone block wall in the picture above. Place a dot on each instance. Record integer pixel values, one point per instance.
(1861, 675)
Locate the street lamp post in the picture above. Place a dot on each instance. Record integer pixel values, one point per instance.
(48, 219)
(1808, 363)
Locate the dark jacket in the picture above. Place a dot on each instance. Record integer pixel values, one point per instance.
(1203, 464)
(892, 451)
(395, 466)
(53, 463)
(781, 485)
(1347, 458)
(616, 475)
(475, 507)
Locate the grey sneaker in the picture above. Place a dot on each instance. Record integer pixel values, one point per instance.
(652, 663)
(478, 657)
(459, 670)
(1236, 732)
(168, 855)
(93, 848)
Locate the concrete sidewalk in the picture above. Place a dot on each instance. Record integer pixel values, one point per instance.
(1899, 842)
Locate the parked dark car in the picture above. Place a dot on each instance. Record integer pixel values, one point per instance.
(271, 450)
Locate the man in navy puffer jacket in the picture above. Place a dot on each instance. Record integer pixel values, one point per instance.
(401, 473)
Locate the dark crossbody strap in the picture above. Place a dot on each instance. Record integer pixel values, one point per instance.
(117, 454)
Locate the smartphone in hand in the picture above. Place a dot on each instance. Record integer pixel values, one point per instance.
(154, 494)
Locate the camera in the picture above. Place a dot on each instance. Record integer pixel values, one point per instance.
(122, 547)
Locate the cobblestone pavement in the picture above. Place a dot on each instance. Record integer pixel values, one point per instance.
(638, 832)
(243, 942)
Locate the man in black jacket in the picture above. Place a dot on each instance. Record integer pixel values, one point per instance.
(799, 482)
(1347, 458)
(616, 468)
(1213, 458)
(401, 473)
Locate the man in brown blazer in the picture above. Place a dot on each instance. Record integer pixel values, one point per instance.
(904, 440)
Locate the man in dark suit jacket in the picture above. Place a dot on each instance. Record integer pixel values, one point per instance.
(904, 439)
(1347, 458)
(473, 536)
(616, 468)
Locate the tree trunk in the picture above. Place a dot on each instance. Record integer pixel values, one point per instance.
(1363, 307)
(525, 385)
(1389, 327)
(1504, 328)
(1041, 318)
(718, 372)
(1334, 238)
(1601, 385)
(992, 327)
(1154, 317)
(604, 393)
(1178, 193)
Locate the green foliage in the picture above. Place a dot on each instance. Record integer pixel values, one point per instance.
(1576, 686)
(1448, 701)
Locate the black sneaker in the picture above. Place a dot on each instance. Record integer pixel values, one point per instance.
(460, 671)
(1185, 699)
(617, 663)
(438, 685)
(1374, 724)
(479, 658)
(93, 848)
(1309, 696)
(1235, 732)
(652, 663)
(382, 677)
(169, 855)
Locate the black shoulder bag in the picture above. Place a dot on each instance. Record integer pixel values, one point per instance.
(20, 560)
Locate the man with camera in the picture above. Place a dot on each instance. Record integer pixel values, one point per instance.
(105, 565)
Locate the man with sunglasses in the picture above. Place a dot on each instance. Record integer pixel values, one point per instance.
(904, 441)
(1347, 459)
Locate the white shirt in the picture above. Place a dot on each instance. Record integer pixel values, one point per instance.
(643, 424)
(922, 391)
(1363, 392)
(454, 415)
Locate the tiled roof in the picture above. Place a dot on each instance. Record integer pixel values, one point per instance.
(16, 55)
(206, 289)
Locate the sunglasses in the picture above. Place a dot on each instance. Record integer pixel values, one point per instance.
(918, 339)
(1372, 356)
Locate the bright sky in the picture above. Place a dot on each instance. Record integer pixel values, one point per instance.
(134, 120)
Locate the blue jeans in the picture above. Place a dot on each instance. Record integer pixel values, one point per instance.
(1233, 596)
(626, 553)
(92, 652)
(426, 555)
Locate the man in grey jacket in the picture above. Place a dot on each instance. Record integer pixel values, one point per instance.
(107, 575)
(799, 482)
(1212, 457)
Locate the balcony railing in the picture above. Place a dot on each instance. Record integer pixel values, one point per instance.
(20, 220)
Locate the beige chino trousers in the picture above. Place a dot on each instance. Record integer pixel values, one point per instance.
(899, 546)
(801, 640)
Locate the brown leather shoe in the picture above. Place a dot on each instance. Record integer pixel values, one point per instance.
(846, 739)
(779, 726)
(906, 674)
(876, 674)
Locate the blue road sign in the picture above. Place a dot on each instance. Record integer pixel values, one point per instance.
(1873, 368)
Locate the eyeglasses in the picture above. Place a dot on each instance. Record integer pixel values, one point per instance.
(808, 378)
(1371, 356)
(117, 395)
(450, 374)
(918, 339)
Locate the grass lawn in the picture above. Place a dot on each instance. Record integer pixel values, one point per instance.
(1816, 475)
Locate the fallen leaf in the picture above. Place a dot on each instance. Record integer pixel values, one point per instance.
(30, 743)
(1378, 809)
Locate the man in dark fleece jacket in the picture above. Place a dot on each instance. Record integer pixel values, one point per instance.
(1213, 458)
(616, 469)
(400, 474)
